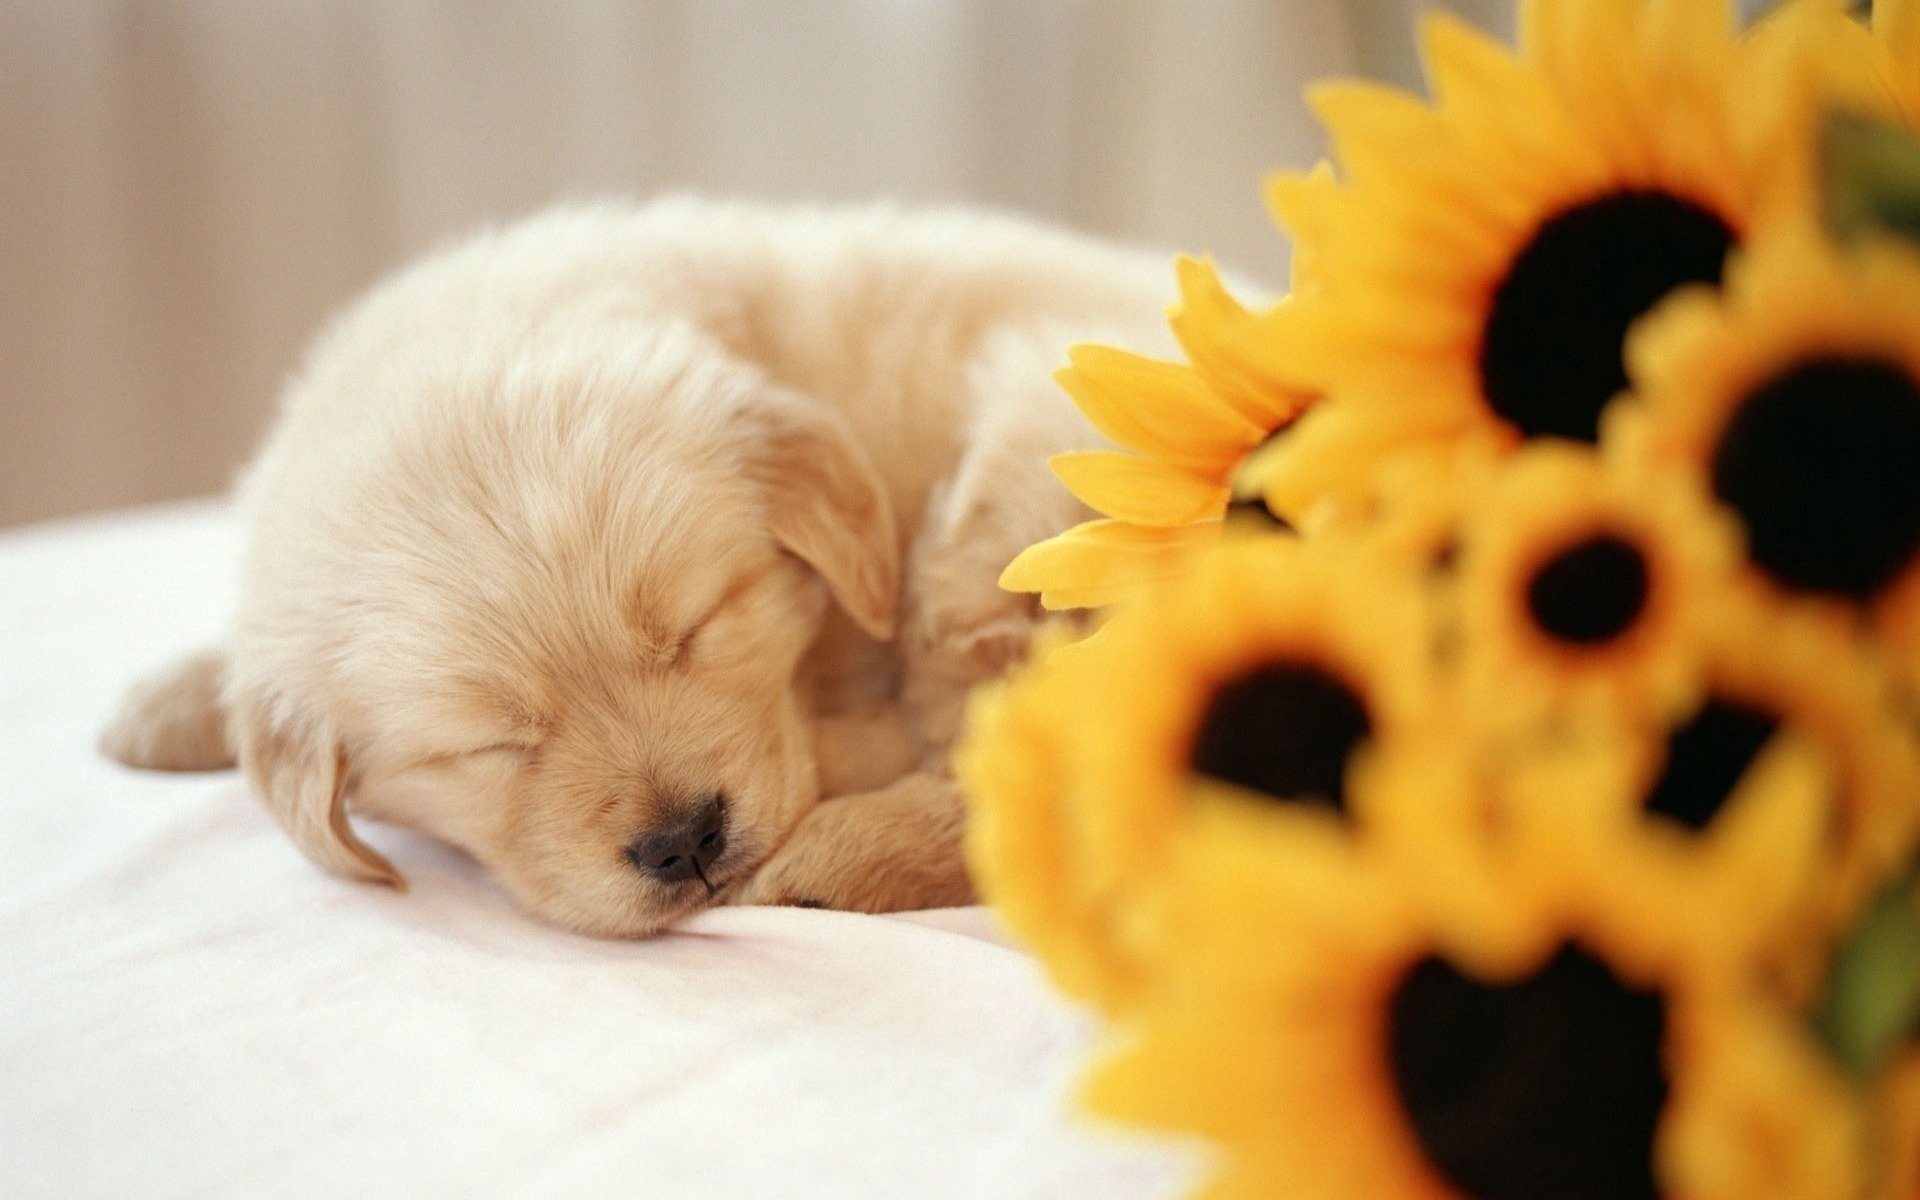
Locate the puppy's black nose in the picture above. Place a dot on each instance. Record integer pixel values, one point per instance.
(685, 846)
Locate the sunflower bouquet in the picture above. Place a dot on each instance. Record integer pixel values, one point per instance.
(1494, 772)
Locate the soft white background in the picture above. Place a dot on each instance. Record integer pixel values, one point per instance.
(187, 187)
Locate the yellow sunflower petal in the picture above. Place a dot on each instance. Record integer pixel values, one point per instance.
(1896, 23)
(1687, 35)
(1498, 104)
(1101, 562)
(1016, 773)
(1242, 357)
(1466, 68)
(1158, 408)
(1140, 491)
(1376, 130)
(1401, 152)
(1152, 1083)
(1302, 205)
(1477, 80)
(1572, 39)
(1331, 452)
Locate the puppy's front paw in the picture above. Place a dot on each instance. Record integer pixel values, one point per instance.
(769, 889)
(892, 850)
(792, 878)
(954, 644)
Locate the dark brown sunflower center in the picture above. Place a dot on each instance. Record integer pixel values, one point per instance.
(1822, 463)
(1706, 759)
(1549, 1088)
(1590, 592)
(1286, 730)
(1550, 356)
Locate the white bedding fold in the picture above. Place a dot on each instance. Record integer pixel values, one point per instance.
(187, 1008)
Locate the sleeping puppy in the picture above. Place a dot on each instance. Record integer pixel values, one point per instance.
(647, 554)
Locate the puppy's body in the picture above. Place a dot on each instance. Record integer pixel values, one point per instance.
(537, 551)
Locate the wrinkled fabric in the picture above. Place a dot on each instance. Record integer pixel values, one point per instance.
(188, 1008)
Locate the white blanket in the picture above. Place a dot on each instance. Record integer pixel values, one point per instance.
(187, 1008)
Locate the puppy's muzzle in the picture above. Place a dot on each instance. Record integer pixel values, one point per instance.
(686, 846)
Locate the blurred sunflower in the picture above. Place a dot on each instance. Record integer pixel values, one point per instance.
(1409, 507)
(1022, 842)
(1815, 688)
(1793, 396)
(1344, 1046)
(1252, 685)
(1762, 813)
(1185, 429)
(1820, 57)
(1486, 255)
(1893, 63)
(1762, 816)
(1578, 583)
(1473, 816)
(1740, 882)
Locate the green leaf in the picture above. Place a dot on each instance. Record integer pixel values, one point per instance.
(1870, 175)
(1873, 985)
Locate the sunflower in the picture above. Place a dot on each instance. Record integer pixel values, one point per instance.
(1793, 397)
(1893, 63)
(1022, 843)
(1808, 687)
(1718, 823)
(1820, 60)
(1254, 684)
(1486, 255)
(1353, 1044)
(1409, 507)
(1473, 816)
(1764, 813)
(1577, 582)
(1188, 427)
(1763, 810)
(1830, 77)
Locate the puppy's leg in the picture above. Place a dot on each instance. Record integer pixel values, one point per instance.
(960, 627)
(890, 850)
(174, 720)
(865, 749)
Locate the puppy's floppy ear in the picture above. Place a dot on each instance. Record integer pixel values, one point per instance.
(301, 775)
(825, 503)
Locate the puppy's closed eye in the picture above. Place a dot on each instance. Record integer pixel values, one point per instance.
(516, 748)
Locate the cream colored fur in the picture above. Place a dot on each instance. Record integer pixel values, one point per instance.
(572, 525)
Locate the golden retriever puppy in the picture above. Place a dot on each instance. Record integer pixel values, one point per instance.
(646, 553)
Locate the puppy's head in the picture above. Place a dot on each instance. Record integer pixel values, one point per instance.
(552, 611)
